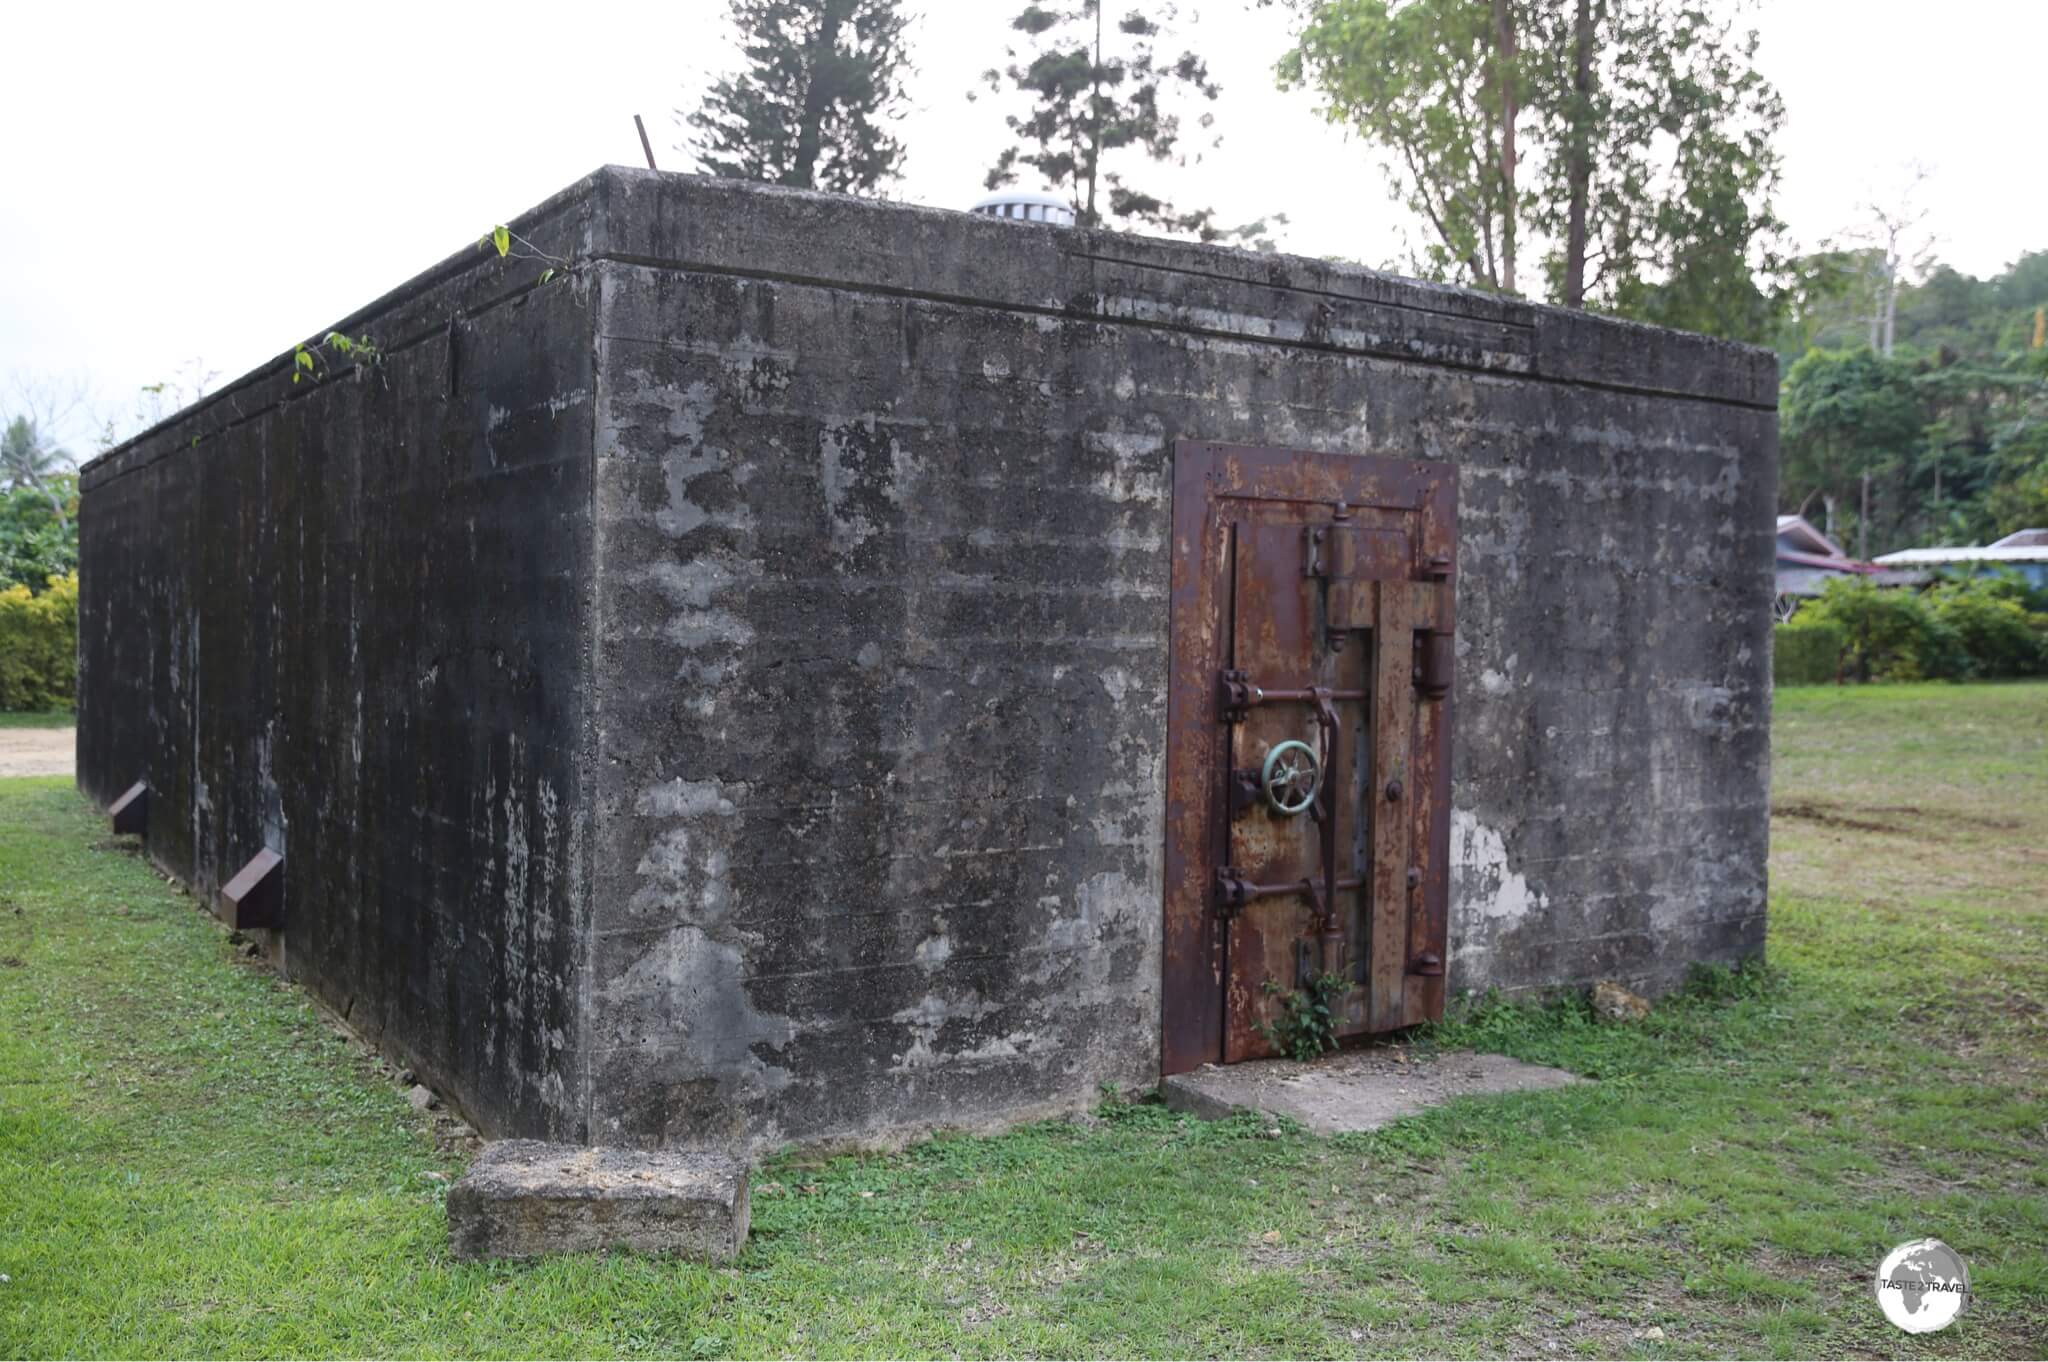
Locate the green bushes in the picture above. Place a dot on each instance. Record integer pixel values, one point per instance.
(38, 589)
(1988, 621)
(1808, 651)
(39, 645)
(1973, 627)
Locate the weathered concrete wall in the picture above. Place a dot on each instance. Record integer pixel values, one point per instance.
(882, 512)
(721, 698)
(347, 618)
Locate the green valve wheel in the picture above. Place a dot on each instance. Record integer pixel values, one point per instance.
(1290, 778)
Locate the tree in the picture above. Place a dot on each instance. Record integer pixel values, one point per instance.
(28, 459)
(35, 414)
(1094, 97)
(38, 493)
(2018, 504)
(2017, 497)
(1892, 230)
(39, 540)
(822, 80)
(1421, 80)
(1969, 407)
(1963, 350)
(1682, 231)
(1635, 136)
(1843, 415)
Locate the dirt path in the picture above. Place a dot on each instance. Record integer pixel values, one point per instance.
(36, 751)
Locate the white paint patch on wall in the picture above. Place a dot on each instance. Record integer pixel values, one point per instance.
(1482, 876)
(681, 798)
(686, 993)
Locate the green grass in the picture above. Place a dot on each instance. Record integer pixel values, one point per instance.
(192, 1163)
(42, 718)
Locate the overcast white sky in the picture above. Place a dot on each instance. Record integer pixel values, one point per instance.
(217, 181)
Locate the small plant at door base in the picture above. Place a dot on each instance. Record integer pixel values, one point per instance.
(1308, 1016)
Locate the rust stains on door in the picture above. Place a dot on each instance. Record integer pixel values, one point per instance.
(1308, 743)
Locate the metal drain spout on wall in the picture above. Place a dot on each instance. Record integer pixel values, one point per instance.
(129, 814)
(255, 896)
(737, 697)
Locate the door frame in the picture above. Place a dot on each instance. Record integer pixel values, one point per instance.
(1207, 476)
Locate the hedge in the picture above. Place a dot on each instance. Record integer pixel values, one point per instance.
(39, 645)
(1806, 653)
(1958, 629)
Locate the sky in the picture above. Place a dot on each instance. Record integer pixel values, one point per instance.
(193, 189)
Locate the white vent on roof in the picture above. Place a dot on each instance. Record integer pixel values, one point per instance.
(1027, 208)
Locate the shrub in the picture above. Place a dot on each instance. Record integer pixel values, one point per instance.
(1989, 619)
(39, 645)
(1962, 627)
(1887, 634)
(1807, 651)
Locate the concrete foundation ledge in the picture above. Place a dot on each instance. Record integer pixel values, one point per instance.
(525, 1198)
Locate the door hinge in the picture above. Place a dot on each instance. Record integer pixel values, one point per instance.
(1235, 695)
(1233, 891)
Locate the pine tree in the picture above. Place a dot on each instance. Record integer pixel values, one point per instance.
(1093, 95)
(821, 81)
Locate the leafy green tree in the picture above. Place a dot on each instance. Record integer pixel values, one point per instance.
(39, 540)
(2017, 498)
(1422, 81)
(1842, 416)
(1979, 468)
(1973, 409)
(1822, 309)
(2018, 503)
(1633, 136)
(1943, 309)
(821, 81)
(1946, 315)
(29, 459)
(1099, 100)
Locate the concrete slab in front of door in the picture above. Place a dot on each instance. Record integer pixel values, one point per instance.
(1353, 1089)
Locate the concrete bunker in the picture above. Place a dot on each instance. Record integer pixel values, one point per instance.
(719, 696)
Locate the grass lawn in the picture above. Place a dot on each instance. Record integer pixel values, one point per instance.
(38, 718)
(191, 1163)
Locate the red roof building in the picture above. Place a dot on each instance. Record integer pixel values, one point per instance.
(1807, 559)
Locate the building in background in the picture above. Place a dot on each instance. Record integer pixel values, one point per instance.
(1807, 561)
(2023, 551)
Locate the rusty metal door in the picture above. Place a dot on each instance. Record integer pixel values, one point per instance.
(1308, 742)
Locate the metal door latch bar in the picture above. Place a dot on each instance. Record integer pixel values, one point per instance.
(1236, 694)
(1234, 891)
